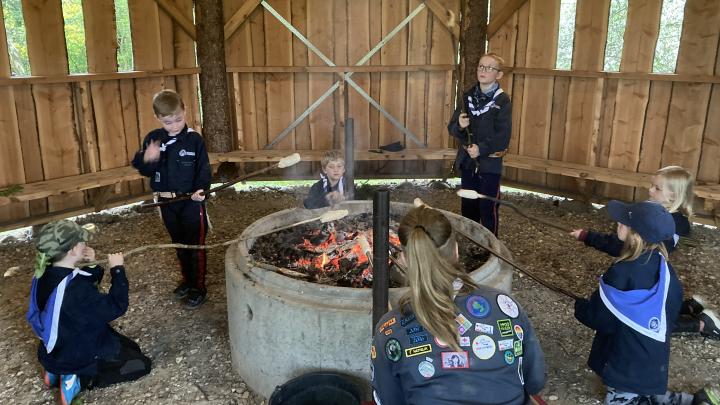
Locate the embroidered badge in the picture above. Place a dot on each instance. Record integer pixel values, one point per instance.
(389, 322)
(454, 360)
(477, 306)
(483, 347)
(508, 306)
(484, 328)
(505, 327)
(417, 339)
(519, 332)
(373, 353)
(393, 350)
(464, 341)
(414, 329)
(654, 324)
(440, 343)
(407, 319)
(517, 348)
(418, 350)
(388, 332)
(463, 324)
(505, 344)
(426, 369)
(509, 357)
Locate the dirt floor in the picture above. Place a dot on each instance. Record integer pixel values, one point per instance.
(190, 350)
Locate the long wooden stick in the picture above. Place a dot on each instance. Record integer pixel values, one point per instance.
(419, 203)
(472, 194)
(283, 163)
(328, 216)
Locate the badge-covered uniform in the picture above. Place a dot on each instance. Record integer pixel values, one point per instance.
(500, 361)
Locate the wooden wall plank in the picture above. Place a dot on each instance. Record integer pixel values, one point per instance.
(30, 142)
(541, 52)
(607, 116)
(301, 87)
(257, 35)
(418, 54)
(697, 55)
(709, 169)
(145, 27)
(238, 52)
(641, 33)
(557, 125)
(340, 58)
(53, 102)
(320, 33)
(11, 167)
(133, 137)
(359, 46)
(585, 94)
(100, 35)
(517, 90)
(392, 84)
(375, 26)
(280, 87)
(184, 46)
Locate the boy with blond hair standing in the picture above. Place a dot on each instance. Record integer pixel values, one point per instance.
(176, 161)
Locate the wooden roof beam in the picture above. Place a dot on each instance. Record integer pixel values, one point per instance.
(178, 17)
(447, 17)
(503, 15)
(240, 16)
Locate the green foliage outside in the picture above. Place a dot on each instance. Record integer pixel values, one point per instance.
(74, 36)
(566, 35)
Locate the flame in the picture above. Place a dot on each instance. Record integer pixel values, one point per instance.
(324, 260)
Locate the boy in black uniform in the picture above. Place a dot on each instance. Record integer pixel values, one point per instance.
(480, 159)
(176, 161)
(79, 348)
(330, 189)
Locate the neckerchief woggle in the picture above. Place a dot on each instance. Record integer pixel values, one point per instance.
(45, 322)
(641, 310)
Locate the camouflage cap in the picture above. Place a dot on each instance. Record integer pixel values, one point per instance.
(59, 237)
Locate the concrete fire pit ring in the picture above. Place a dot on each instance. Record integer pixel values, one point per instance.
(280, 327)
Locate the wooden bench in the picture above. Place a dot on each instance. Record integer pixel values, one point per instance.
(108, 181)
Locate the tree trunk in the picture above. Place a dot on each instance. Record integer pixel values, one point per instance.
(473, 33)
(213, 78)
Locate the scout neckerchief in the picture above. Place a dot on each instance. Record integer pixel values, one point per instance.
(45, 322)
(328, 188)
(641, 310)
(474, 100)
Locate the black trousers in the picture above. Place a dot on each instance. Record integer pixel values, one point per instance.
(128, 365)
(187, 223)
(686, 322)
(481, 210)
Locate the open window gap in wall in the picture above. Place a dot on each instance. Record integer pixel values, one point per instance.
(566, 34)
(16, 38)
(668, 43)
(75, 36)
(124, 37)
(617, 20)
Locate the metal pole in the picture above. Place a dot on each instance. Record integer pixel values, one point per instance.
(381, 247)
(350, 158)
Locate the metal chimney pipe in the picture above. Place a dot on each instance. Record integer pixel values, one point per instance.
(350, 158)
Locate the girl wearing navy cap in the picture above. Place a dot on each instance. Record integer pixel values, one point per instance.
(633, 310)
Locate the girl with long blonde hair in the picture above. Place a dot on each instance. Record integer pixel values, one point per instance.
(450, 332)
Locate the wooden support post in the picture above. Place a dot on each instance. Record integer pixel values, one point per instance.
(213, 79)
(473, 31)
(99, 196)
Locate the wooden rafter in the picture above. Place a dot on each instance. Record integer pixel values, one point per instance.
(447, 17)
(503, 15)
(178, 17)
(240, 16)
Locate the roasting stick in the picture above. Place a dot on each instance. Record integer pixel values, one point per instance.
(420, 203)
(287, 161)
(473, 195)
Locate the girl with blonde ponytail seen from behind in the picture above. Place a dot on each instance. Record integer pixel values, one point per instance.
(451, 341)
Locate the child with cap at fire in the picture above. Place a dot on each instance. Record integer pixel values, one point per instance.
(79, 349)
(633, 310)
(480, 159)
(672, 186)
(330, 189)
(448, 332)
(175, 159)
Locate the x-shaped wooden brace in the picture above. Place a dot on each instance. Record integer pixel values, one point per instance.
(345, 76)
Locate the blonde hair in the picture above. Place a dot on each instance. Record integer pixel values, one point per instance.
(430, 251)
(679, 183)
(499, 59)
(166, 103)
(635, 246)
(331, 156)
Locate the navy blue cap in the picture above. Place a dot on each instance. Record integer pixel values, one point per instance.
(649, 219)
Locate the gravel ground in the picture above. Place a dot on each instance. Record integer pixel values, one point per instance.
(190, 349)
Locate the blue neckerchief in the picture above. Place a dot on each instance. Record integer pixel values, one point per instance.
(478, 97)
(45, 322)
(641, 310)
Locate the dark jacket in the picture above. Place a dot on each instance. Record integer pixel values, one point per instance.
(410, 367)
(318, 191)
(183, 167)
(84, 333)
(612, 245)
(491, 129)
(626, 359)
